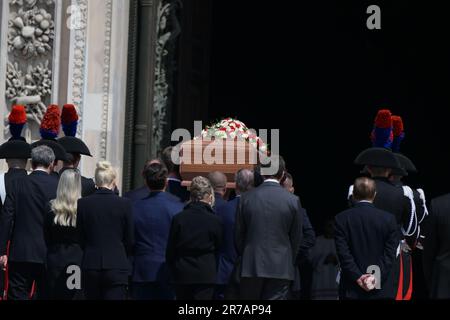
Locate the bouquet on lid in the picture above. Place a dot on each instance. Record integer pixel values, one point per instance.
(233, 129)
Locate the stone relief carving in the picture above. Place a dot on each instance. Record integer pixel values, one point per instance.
(168, 30)
(79, 60)
(31, 32)
(106, 79)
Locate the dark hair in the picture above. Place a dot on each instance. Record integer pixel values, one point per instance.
(166, 157)
(276, 160)
(364, 189)
(72, 158)
(156, 176)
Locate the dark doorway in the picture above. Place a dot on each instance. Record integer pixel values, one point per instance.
(314, 71)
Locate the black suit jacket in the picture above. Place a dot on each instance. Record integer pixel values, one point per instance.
(436, 254)
(11, 175)
(194, 240)
(87, 185)
(106, 230)
(366, 236)
(22, 219)
(268, 232)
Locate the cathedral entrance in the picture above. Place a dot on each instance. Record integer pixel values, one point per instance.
(314, 71)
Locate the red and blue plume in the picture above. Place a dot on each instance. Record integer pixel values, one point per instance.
(69, 120)
(399, 133)
(382, 134)
(17, 120)
(51, 123)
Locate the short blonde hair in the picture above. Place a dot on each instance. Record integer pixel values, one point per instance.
(105, 174)
(200, 188)
(65, 205)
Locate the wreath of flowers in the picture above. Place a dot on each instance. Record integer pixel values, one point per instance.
(233, 129)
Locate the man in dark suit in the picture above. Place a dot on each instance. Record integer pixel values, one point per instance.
(436, 253)
(16, 152)
(366, 237)
(268, 235)
(141, 192)
(25, 209)
(227, 253)
(219, 183)
(379, 164)
(301, 287)
(152, 220)
(174, 181)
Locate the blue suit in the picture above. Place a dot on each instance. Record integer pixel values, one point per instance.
(137, 194)
(219, 201)
(227, 252)
(174, 187)
(152, 219)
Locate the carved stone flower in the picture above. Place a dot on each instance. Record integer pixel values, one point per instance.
(31, 32)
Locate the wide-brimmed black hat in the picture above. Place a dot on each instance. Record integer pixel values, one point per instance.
(378, 157)
(60, 153)
(406, 164)
(15, 149)
(74, 145)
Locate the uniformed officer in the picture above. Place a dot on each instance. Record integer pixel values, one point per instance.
(16, 151)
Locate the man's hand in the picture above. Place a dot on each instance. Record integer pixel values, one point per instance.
(3, 262)
(367, 282)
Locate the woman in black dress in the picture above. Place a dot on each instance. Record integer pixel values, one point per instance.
(64, 253)
(194, 239)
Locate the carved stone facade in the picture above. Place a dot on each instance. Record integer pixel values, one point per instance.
(79, 52)
(61, 52)
(29, 59)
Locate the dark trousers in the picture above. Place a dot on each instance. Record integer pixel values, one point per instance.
(195, 292)
(2, 284)
(21, 278)
(152, 291)
(264, 289)
(56, 285)
(105, 284)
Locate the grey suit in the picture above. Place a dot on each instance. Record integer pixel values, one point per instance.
(267, 235)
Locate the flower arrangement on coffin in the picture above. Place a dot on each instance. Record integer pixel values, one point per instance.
(233, 129)
(214, 156)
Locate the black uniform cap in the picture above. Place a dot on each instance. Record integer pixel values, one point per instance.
(378, 157)
(60, 153)
(15, 148)
(74, 145)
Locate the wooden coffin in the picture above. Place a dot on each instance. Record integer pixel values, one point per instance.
(200, 157)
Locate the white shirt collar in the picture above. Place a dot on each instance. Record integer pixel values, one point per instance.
(272, 180)
(365, 201)
(174, 179)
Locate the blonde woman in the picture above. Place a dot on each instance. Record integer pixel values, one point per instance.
(107, 236)
(62, 237)
(194, 240)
